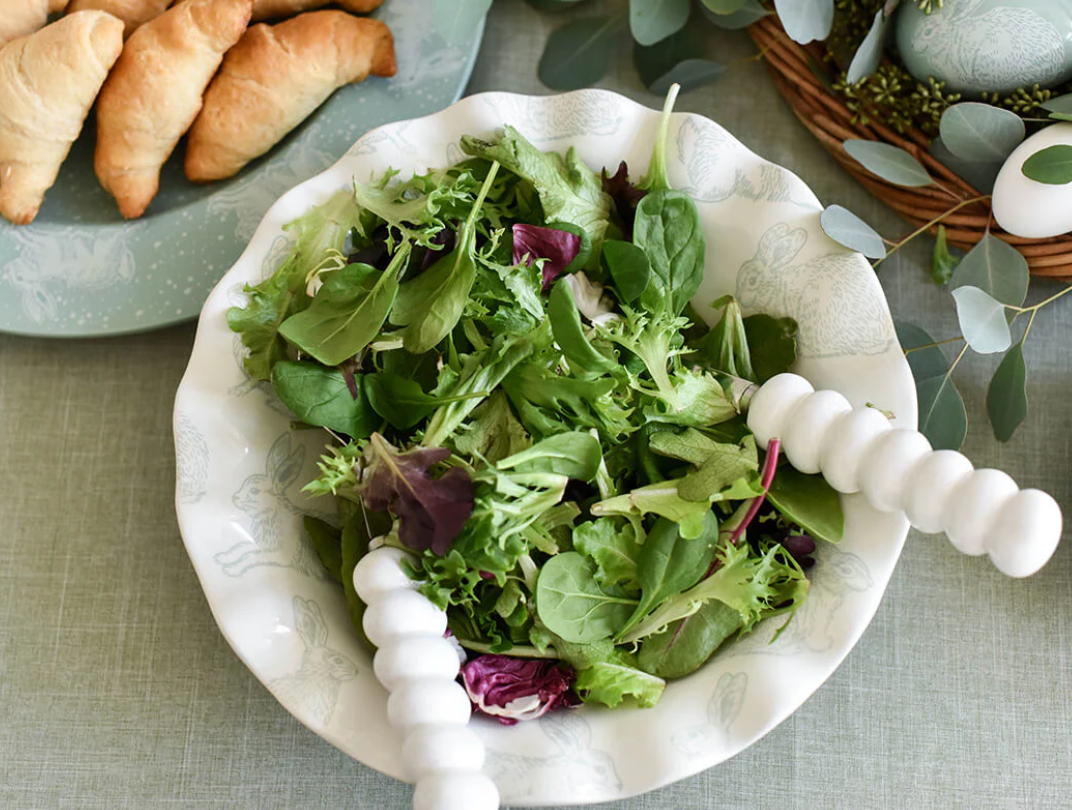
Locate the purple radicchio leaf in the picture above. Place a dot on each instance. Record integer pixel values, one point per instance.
(431, 511)
(512, 689)
(625, 196)
(558, 248)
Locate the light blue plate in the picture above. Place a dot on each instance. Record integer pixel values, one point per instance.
(80, 271)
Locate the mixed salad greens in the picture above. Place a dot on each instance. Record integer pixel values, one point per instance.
(518, 392)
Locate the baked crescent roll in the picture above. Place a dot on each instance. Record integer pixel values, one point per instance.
(21, 17)
(133, 13)
(270, 9)
(48, 81)
(154, 94)
(274, 78)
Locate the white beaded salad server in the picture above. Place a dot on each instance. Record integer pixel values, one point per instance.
(855, 449)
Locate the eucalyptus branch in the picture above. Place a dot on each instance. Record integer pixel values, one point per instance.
(1036, 307)
(934, 345)
(924, 228)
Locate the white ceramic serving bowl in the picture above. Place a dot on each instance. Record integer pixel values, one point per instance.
(241, 468)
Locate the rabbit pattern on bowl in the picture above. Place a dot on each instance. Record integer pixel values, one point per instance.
(722, 709)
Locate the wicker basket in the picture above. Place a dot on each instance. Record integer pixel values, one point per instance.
(792, 68)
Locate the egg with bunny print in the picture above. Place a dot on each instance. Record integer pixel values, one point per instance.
(979, 46)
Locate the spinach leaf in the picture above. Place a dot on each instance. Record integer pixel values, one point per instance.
(347, 312)
(629, 268)
(685, 645)
(614, 547)
(320, 396)
(327, 541)
(773, 345)
(727, 465)
(689, 445)
(569, 191)
(321, 233)
(430, 306)
(808, 501)
(571, 603)
(667, 228)
(669, 563)
(611, 682)
(575, 455)
(565, 320)
(403, 403)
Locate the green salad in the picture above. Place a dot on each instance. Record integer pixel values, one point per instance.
(516, 389)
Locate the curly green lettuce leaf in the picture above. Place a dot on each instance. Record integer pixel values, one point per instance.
(612, 682)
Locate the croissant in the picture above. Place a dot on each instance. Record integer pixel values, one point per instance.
(48, 81)
(274, 78)
(133, 13)
(154, 94)
(270, 9)
(21, 17)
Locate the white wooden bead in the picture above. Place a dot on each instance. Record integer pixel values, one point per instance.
(440, 749)
(805, 428)
(402, 613)
(933, 479)
(456, 791)
(847, 441)
(885, 472)
(973, 509)
(1025, 534)
(772, 403)
(415, 657)
(380, 572)
(431, 701)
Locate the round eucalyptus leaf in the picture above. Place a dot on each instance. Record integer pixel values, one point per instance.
(1060, 104)
(655, 61)
(847, 229)
(942, 417)
(724, 6)
(749, 13)
(655, 20)
(975, 131)
(867, 57)
(578, 54)
(456, 19)
(980, 174)
(889, 162)
(982, 320)
(690, 74)
(996, 268)
(1052, 165)
(1006, 398)
(927, 362)
(806, 20)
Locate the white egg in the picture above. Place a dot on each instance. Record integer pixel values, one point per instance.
(415, 657)
(1026, 207)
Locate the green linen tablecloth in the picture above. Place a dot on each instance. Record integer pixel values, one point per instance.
(117, 692)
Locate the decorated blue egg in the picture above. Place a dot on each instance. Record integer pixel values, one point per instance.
(978, 46)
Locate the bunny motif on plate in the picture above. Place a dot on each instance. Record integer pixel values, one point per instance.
(722, 709)
(316, 684)
(771, 282)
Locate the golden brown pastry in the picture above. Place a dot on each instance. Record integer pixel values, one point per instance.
(21, 17)
(274, 78)
(133, 13)
(154, 94)
(48, 81)
(270, 9)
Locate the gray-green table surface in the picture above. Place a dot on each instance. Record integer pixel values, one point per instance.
(117, 691)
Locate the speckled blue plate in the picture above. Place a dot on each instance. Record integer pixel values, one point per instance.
(79, 270)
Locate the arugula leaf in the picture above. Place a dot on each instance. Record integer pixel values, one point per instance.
(403, 403)
(669, 563)
(808, 501)
(686, 645)
(726, 466)
(697, 399)
(610, 682)
(320, 232)
(320, 396)
(575, 455)
(347, 312)
(580, 403)
(613, 546)
(493, 432)
(569, 334)
(569, 191)
(572, 604)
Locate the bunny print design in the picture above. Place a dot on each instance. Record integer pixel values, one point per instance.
(314, 689)
(586, 772)
(722, 709)
(264, 498)
(838, 308)
(192, 460)
(984, 45)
